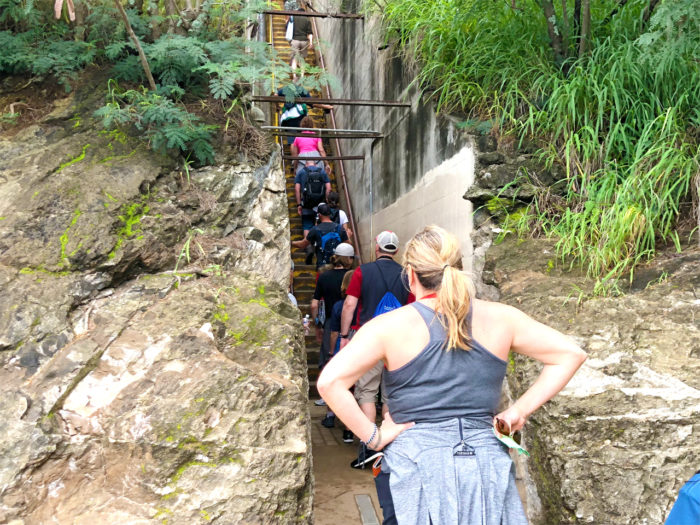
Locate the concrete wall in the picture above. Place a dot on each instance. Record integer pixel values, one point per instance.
(422, 166)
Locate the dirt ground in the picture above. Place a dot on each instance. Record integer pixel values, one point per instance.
(336, 483)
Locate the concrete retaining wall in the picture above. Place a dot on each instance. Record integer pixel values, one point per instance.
(422, 166)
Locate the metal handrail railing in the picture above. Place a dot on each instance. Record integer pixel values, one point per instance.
(338, 150)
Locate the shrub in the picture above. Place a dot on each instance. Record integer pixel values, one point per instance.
(622, 119)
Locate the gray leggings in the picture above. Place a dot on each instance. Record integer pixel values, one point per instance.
(445, 474)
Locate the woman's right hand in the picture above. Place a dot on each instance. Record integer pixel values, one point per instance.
(390, 431)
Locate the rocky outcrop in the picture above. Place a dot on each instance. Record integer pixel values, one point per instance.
(152, 367)
(505, 181)
(617, 444)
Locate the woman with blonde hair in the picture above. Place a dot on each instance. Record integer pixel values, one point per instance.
(446, 357)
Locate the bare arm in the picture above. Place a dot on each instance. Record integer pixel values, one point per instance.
(303, 243)
(560, 355)
(314, 316)
(341, 372)
(322, 152)
(349, 306)
(297, 195)
(295, 153)
(334, 341)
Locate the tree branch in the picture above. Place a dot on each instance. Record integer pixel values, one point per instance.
(620, 5)
(135, 40)
(577, 21)
(565, 31)
(585, 27)
(553, 30)
(648, 10)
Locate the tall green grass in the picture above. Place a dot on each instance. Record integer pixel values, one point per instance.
(623, 121)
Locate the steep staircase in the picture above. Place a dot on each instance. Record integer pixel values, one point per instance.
(341, 494)
(304, 275)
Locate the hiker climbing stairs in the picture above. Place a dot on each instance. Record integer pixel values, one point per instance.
(304, 274)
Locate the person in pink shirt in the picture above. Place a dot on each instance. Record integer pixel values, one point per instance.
(311, 147)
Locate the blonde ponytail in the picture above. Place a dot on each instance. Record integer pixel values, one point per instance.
(435, 257)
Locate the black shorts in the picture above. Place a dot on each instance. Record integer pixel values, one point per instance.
(308, 219)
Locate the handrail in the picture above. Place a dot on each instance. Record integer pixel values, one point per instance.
(286, 12)
(351, 216)
(334, 101)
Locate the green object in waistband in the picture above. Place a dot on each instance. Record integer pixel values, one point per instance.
(510, 442)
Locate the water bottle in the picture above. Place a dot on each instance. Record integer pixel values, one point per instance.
(307, 324)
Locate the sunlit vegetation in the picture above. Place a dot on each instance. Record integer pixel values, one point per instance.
(607, 90)
(180, 70)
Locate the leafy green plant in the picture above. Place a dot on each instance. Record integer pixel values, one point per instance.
(60, 58)
(163, 123)
(207, 58)
(185, 251)
(19, 15)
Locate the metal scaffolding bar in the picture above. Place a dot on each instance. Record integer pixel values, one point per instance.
(334, 101)
(329, 157)
(322, 132)
(338, 149)
(315, 14)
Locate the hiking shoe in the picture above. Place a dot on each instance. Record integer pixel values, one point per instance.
(328, 421)
(320, 403)
(365, 457)
(347, 436)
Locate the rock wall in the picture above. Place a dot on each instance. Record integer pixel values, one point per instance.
(618, 443)
(152, 368)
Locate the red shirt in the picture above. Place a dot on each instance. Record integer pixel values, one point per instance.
(355, 289)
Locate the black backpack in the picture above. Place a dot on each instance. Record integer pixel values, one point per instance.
(335, 215)
(313, 191)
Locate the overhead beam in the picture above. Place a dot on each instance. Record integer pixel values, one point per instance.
(329, 157)
(312, 14)
(333, 101)
(322, 133)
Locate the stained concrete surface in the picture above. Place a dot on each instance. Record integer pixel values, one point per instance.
(336, 483)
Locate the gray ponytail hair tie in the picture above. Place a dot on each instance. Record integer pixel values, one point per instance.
(445, 267)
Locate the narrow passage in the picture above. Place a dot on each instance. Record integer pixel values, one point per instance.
(342, 494)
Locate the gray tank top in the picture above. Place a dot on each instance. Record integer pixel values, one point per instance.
(437, 384)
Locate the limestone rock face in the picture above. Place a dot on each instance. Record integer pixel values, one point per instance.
(152, 368)
(617, 444)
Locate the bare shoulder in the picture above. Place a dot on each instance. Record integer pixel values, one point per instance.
(490, 311)
(394, 320)
(394, 328)
(494, 326)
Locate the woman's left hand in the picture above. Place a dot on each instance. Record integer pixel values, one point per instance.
(390, 431)
(511, 419)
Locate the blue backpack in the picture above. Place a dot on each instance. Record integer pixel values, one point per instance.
(686, 510)
(329, 241)
(388, 301)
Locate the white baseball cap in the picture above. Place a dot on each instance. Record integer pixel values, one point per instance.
(388, 242)
(345, 249)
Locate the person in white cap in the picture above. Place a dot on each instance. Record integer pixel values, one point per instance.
(370, 284)
(328, 291)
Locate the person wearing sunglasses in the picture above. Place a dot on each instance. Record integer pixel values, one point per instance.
(446, 357)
